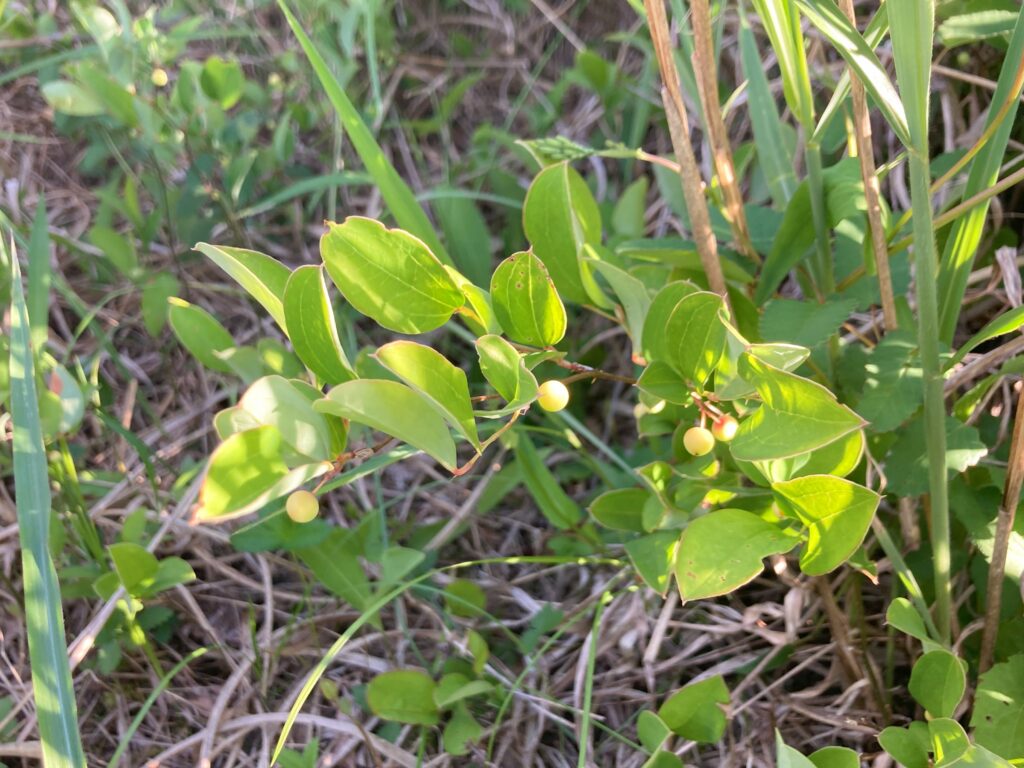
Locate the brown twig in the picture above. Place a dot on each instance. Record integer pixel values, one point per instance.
(1004, 526)
(706, 68)
(872, 193)
(679, 131)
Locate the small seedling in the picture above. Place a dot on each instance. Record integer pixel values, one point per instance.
(302, 506)
(552, 395)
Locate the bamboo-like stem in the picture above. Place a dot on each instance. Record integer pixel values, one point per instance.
(705, 68)
(926, 265)
(679, 131)
(1004, 526)
(872, 193)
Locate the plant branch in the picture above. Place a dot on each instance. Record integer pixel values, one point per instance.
(1004, 527)
(679, 131)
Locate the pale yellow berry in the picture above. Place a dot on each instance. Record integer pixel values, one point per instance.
(698, 441)
(552, 395)
(302, 506)
(159, 77)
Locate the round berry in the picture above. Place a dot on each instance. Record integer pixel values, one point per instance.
(159, 77)
(724, 428)
(698, 441)
(302, 506)
(552, 395)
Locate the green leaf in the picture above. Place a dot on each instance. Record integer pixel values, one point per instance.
(460, 731)
(835, 757)
(937, 682)
(396, 410)
(157, 291)
(999, 709)
(560, 215)
(440, 382)
(170, 572)
(653, 557)
(723, 550)
(389, 275)
(311, 325)
(651, 730)
(633, 296)
(223, 81)
(554, 503)
(52, 687)
(200, 333)
(504, 369)
(628, 214)
(806, 323)
(247, 471)
(71, 99)
(693, 337)
(621, 509)
(790, 245)
(892, 391)
(836, 512)
(262, 277)
(694, 711)
(334, 561)
(1000, 326)
(909, 746)
(663, 759)
(848, 42)
(966, 28)
(661, 380)
(526, 302)
(454, 688)
(467, 235)
(798, 415)
(902, 615)
(782, 23)
(906, 465)
(949, 741)
(396, 193)
(465, 598)
(133, 564)
(787, 757)
(911, 29)
(288, 406)
(404, 696)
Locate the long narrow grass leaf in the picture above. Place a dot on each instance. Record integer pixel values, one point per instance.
(396, 193)
(48, 653)
(39, 278)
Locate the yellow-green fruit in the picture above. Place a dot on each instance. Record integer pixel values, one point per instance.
(698, 441)
(552, 395)
(724, 428)
(159, 77)
(302, 506)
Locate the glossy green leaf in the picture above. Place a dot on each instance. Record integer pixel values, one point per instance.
(662, 381)
(836, 512)
(902, 615)
(798, 415)
(696, 712)
(949, 741)
(52, 687)
(443, 384)
(653, 344)
(938, 682)
(264, 278)
(723, 550)
(396, 193)
(999, 708)
(621, 509)
(653, 556)
(526, 302)
(396, 410)
(560, 215)
(693, 337)
(247, 471)
(284, 404)
(455, 687)
(389, 275)
(909, 746)
(504, 369)
(200, 333)
(835, 757)
(312, 328)
(404, 696)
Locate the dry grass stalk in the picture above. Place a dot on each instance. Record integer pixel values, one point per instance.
(706, 69)
(679, 130)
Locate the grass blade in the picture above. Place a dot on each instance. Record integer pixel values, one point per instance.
(396, 193)
(48, 653)
(39, 278)
(782, 23)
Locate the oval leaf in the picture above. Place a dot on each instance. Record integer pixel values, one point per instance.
(404, 696)
(938, 682)
(526, 302)
(311, 326)
(389, 275)
(200, 333)
(264, 278)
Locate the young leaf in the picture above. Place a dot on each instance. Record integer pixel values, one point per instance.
(389, 275)
(526, 302)
(404, 696)
(560, 215)
(264, 278)
(396, 410)
(937, 682)
(695, 712)
(837, 514)
(621, 509)
(798, 415)
(396, 193)
(723, 550)
(431, 374)
(311, 325)
(504, 369)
